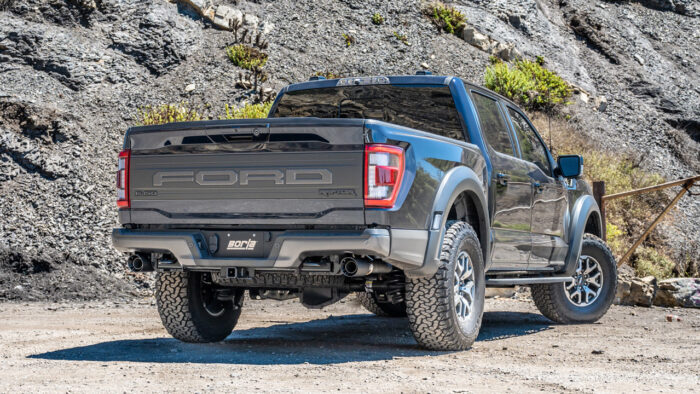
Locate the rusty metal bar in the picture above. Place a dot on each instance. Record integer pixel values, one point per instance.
(598, 194)
(650, 188)
(688, 184)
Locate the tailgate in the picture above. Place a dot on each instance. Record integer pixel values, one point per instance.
(265, 171)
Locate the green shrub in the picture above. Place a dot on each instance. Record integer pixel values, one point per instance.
(349, 40)
(327, 74)
(446, 18)
(550, 89)
(528, 83)
(402, 37)
(166, 113)
(648, 261)
(377, 18)
(248, 111)
(511, 83)
(246, 57)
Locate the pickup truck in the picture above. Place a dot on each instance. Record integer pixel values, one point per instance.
(415, 192)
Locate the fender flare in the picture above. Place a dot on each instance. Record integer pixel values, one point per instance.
(583, 208)
(456, 181)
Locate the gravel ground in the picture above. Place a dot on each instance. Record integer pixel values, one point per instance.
(282, 347)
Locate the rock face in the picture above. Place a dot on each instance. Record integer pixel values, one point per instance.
(683, 292)
(74, 72)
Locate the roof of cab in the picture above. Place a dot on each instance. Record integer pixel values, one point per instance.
(392, 80)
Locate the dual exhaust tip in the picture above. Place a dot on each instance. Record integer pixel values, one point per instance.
(353, 267)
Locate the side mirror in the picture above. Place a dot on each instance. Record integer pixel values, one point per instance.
(570, 166)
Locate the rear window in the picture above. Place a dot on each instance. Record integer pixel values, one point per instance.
(426, 108)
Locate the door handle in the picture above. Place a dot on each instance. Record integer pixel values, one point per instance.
(538, 187)
(502, 179)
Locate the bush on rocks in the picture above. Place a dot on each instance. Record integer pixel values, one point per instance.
(247, 57)
(528, 83)
(166, 113)
(446, 18)
(248, 111)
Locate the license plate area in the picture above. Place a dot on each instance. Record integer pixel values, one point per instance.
(238, 243)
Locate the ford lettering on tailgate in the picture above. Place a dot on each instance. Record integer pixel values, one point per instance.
(303, 176)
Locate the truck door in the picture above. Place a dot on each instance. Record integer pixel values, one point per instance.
(510, 188)
(549, 197)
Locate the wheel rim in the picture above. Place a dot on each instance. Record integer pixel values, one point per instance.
(587, 282)
(464, 287)
(211, 303)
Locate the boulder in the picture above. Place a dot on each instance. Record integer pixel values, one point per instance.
(504, 51)
(225, 15)
(683, 292)
(203, 7)
(473, 37)
(642, 291)
(635, 291)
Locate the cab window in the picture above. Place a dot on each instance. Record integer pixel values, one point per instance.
(531, 147)
(493, 126)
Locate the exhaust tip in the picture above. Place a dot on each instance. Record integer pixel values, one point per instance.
(135, 263)
(349, 266)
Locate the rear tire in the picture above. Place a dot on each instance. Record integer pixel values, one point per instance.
(384, 309)
(445, 310)
(589, 296)
(190, 310)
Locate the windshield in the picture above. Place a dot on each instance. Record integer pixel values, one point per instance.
(426, 108)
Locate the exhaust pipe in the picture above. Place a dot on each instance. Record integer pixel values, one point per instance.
(351, 267)
(140, 262)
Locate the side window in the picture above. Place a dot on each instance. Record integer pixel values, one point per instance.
(492, 124)
(530, 146)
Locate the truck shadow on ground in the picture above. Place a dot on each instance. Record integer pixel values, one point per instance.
(336, 339)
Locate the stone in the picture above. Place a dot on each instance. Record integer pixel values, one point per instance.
(601, 103)
(506, 52)
(642, 291)
(639, 59)
(500, 292)
(266, 27)
(251, 20)
(190, 87)
(583, 97)
(473, 37)
(199, 5)
(225, 15)
(678, 292)
(425, 65)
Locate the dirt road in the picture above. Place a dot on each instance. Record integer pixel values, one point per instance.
(282, 347)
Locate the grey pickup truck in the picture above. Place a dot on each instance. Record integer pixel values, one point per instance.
(415, 192)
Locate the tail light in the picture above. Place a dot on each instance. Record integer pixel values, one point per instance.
(123, 179)
(384, 168)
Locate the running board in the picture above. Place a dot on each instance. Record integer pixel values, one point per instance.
(527, 281)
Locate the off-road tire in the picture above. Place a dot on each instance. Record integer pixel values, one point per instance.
(384, 309)
(181, 308)
(553, 303)
(430, 303)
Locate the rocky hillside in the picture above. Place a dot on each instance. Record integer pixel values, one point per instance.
(74, 72)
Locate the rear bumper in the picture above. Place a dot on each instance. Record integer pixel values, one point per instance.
(288, 251)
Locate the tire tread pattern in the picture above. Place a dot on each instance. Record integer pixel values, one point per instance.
(428, 299)
(544, 297)
(174, 307)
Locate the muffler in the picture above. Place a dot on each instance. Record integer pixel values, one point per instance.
(140, 262)
(351, 266)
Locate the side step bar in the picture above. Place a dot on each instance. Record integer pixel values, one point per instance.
(526, 281)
